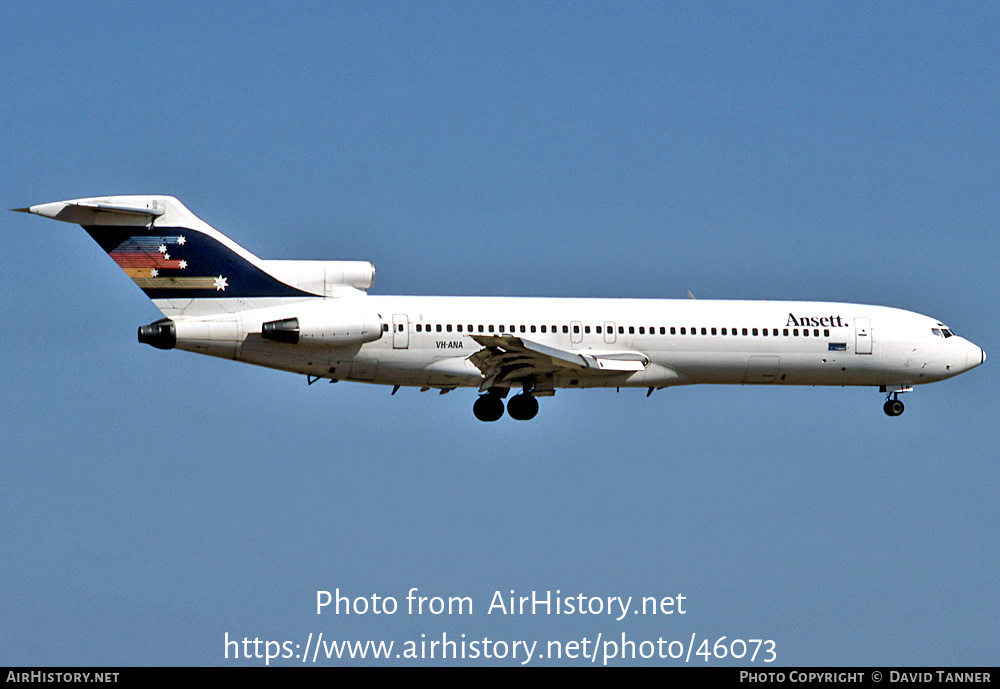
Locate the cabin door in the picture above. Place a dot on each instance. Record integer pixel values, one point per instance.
(400, 331)
(862, 336)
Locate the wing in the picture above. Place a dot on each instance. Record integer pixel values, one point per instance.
(506, 358)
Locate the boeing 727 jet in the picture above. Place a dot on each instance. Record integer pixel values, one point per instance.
(315, 318)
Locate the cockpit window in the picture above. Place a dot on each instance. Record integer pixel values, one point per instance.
(947, 333)
(937, 332)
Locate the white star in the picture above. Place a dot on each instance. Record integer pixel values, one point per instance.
(166, 257)
(220, 284)
(181, 240)
(182, 264)
(162, 249)
(153, 273)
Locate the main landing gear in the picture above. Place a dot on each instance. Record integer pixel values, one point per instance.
(489, 407)
(522, 407)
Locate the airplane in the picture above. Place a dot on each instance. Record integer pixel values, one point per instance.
(316, 318)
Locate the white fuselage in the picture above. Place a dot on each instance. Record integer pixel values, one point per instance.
(426, 341)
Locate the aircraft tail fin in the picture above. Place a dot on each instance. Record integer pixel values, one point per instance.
(179, 261)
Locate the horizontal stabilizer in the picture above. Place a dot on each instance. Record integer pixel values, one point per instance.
(116, 211)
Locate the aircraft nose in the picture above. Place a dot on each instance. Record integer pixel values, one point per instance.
(975, 355)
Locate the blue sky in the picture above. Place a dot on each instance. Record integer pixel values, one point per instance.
(155, 501)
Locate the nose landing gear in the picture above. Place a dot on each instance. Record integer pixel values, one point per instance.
(893, 407)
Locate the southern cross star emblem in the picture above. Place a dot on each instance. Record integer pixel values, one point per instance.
(220, 284)
(181, 240)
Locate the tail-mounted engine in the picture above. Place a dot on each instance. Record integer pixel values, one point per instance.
(318, 328)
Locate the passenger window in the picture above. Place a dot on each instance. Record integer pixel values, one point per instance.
(785, 332)
(642, 330)
(543, 328)
(755, 332)
(663, 330)
(438, 327)
(745, 331)
(805, 333)
(631, 330)
(621, 329)
(448, 327)
(565, 328)
(673, 330)
(459, 327)
(724, 332)
(816, 332)
(522, 329)
(598, 329)
(418, 327)
(704, 331)
(683, 331)
(826, 333)
(576, 329)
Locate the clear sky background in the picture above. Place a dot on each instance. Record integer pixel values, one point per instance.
(155, 501)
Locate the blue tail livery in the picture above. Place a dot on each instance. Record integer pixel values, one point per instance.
(173, 256)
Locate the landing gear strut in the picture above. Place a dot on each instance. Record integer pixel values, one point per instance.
(892, 406)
